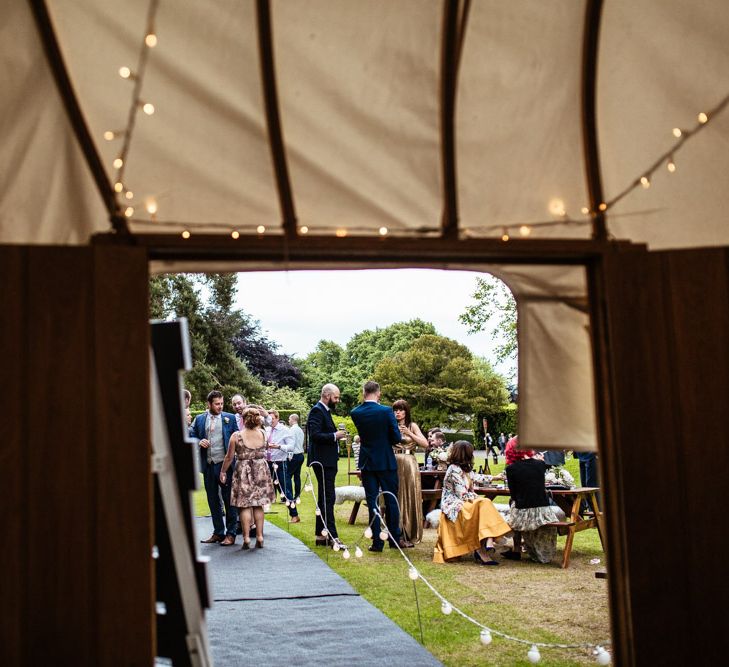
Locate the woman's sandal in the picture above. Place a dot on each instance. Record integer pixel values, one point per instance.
(477, 557)
(259, 544)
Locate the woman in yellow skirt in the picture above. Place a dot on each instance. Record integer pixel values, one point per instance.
(468, 522)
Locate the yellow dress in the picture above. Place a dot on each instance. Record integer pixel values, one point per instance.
(409, 496)
(465, 519)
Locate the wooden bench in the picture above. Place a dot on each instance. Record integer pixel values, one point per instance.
(431, 494)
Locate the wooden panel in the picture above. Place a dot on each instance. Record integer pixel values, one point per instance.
(13, 462)
(668, 329)
(60, 527)
(122, 445)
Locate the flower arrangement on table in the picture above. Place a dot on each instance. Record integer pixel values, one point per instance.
(559, 476)
(440, 457)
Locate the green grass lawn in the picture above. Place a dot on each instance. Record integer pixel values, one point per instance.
(524, 599)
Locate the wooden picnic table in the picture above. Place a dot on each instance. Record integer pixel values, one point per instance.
(571, 501)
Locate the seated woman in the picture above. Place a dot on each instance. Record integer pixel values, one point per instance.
(468, 523)
(530, 510)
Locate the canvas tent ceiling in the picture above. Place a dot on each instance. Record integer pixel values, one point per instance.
(359, 94)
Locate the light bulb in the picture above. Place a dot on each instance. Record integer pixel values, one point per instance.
(383, 231)
(151, 40)
(645, 182)
(346, 555)
(118, 186)
(534, 655)
(602, 656)
(383, 535)
(317, 511)
(151, 206)
(368, 533)
(413, 574)
(505, 236)
(671, 166)
(298, 500)
(486, 637)
(557, 207)
(358, 552)
(118, 163)
(129, 211)
(308, 487)
(275, 466)
(324, 532)
(260, 229)
(129, 194)
(185, 234)
(125, 73)
(335, 546)
(446, 608)
(584, 210)
(287, 503)
(603, 206)
(677, 132)
(148, 108)
(303, 229)
(109, 135)
(235, 234)
(341, 232)
(275, 481)
(703, 118)
(525, 230)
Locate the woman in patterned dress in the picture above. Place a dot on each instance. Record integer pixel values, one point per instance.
(469, 523)
(252, 487)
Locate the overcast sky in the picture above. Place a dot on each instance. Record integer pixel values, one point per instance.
(290, 306)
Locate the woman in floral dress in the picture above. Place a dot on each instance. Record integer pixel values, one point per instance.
(252, 487)
(469, 523)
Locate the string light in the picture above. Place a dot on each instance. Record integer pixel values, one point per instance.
(341, 232)
(446, 608)
(125, 73)
(383, 231)
(557, 207)
(129, 194)
(118, 163)
(261, 229)
(324, 532)
(148, 108)
(129, 211)
(346, 555)
(303, 229)
(235, 234)
(671, 165)
(505, 235)
(308, 487)
(151, 206)
(584, 210)
(383, 535)
(603, 206)
(413, 574)
(151, 40)
(118, 186)
(677, 132)
(335, 546)
(702, 118)
(534, 655)
(602, 657)
(186, 234)
(645, 182)
(317, 511)
(525, 230)
(358, 552)
(110, 135)
(368, 533)
(485, 637)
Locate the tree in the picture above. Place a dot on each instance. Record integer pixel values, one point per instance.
(262, 357)
(494, 310)
(440, 380)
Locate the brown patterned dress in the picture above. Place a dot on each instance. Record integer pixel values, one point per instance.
(252, 486)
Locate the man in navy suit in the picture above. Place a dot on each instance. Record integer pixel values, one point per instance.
(213, 429)
(378, 431)
(324, 453)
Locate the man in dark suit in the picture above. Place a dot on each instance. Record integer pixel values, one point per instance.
(324, 454)
(212, 429)
(378, 430)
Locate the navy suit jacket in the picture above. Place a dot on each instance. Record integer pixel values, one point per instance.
(322, 445)
(197, 431)
(378, 431)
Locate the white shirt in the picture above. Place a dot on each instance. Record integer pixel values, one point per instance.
(282, 437)
(298, 435)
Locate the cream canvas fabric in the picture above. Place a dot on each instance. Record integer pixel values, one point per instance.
(359, 100)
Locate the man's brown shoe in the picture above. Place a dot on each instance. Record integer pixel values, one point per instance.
(295, 519)
(212, 539)
(229, 541)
